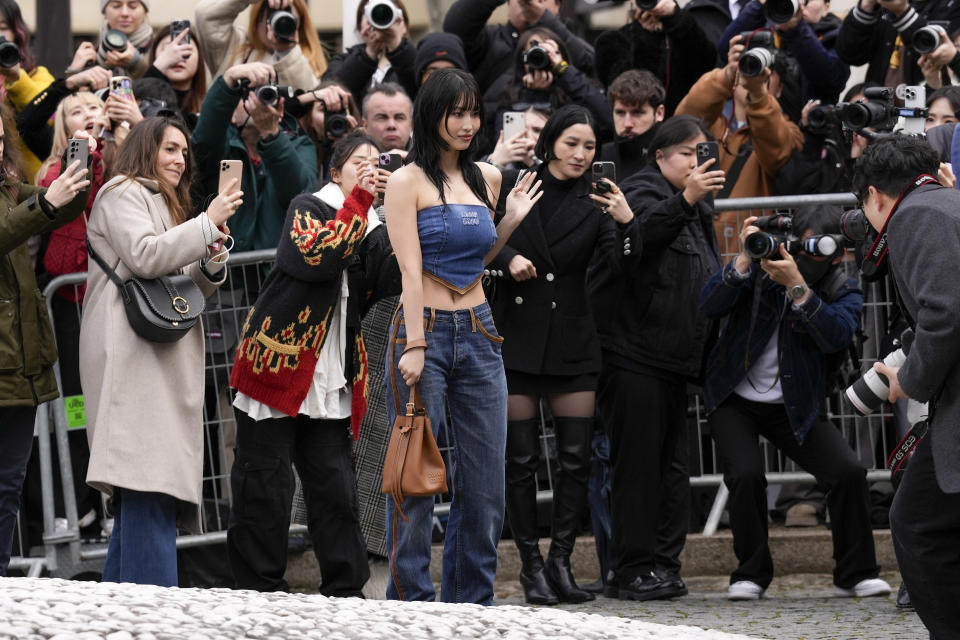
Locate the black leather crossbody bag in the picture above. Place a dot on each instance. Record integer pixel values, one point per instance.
(160, 309)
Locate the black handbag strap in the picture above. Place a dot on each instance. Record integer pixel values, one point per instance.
(103, 265)
(164, 282)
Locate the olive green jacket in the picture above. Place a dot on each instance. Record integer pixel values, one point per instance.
(27, 347)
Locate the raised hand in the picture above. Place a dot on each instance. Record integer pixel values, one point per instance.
(367, 178)
(522, 197)
(702, 182)
(225, 204)
(65, 188)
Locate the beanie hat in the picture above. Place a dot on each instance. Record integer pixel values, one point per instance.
(439, 46)
(104, 3)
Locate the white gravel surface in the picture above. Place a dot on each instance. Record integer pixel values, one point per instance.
(49, 609)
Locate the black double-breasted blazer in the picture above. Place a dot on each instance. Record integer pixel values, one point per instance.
(546, 322)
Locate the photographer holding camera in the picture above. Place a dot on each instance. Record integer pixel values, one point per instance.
(125, 36)
(543, 76)
(919, 221)
(756, 140)
(489, 46)
(766, 377)
(279, 159)
(385, 55)
(881, 33)
(279, 33)
(807, 32)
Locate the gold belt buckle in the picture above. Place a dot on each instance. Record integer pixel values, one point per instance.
(180, 305)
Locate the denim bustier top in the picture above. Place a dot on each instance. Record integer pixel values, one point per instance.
(454, 238)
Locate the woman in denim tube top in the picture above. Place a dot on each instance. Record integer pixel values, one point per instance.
(552, 351)
(440, 222)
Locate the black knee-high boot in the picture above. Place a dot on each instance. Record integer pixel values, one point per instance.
(574, 437)
(523, 456)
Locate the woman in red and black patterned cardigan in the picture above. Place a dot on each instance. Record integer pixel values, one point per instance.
(301, 376)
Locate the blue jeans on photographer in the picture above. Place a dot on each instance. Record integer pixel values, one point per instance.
(462, 377)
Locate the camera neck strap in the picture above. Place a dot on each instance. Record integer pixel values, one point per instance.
(878, 251)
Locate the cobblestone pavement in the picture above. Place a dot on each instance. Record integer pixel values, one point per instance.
(48, 609)
(797, 607)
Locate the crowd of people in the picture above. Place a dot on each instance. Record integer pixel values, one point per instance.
(542, 202)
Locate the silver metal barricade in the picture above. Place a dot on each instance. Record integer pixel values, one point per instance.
(65, 554)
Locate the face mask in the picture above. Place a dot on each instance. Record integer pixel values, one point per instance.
(813, 270)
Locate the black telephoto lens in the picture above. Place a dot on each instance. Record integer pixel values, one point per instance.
(646, 5)
(9, 54)
(761, 245)
(336, 125)
(284, 25)
(537, 58)
(854, 226)
(822, 116)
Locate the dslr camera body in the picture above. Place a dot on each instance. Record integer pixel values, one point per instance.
(777, 230)
(272, 94)
(760, 52)
(880, 112)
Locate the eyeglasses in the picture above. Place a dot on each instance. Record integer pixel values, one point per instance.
(538, 106)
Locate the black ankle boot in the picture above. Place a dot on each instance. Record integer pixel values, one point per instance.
(536, 588)
(561, 579)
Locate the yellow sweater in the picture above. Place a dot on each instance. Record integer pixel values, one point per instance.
(20, 93)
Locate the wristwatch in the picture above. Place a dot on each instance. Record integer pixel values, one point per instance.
(796, 291)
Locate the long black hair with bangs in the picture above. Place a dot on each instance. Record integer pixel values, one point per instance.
(445, 91)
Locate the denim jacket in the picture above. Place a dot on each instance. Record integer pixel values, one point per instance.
(825, 323)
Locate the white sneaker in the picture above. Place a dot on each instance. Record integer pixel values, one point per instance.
(745, 590)
(864, 589)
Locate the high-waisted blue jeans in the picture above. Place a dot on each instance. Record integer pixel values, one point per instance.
(463, 377)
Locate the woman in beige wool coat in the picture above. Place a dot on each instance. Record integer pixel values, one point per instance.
(299, 61)
(144, 400)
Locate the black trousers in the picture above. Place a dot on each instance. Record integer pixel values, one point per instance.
(263, 485)
(16, 441)
(649, 495)
(925, 523)
(737, 425)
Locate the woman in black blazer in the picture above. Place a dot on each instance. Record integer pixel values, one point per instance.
(550, 344)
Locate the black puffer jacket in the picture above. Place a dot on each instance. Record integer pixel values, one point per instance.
(678, 55)
(649, 314)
